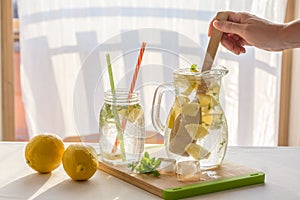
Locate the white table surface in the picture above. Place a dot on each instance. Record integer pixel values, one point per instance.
(18, 181)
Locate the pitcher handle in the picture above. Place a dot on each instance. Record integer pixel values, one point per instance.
(155, 115)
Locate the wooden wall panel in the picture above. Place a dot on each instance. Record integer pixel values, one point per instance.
(7, 82)
(285, 87)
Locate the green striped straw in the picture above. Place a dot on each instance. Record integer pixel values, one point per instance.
(114, 110)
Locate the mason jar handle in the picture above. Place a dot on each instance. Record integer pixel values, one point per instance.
(158, 94)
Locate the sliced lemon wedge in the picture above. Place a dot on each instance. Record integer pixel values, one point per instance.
(190, 109)
(180, 100)
(207, 119)
(196, 131)
(132, 114)
(197, 151)
(174, 112)
(207, 100)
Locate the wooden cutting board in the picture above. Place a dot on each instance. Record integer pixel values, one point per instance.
(229, 175)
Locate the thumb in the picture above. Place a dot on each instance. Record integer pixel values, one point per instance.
(228, 27)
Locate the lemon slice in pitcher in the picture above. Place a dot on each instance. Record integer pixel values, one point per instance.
(207, 119)
(181, 100)
(207, 100)
(176, 109)
(197, 151)
(196, 131)
(190, 109)
(212, 120)
(174, 112)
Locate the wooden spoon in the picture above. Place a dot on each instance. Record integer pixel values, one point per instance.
(213, 44)
(211, 51)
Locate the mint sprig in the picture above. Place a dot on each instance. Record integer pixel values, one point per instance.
(193, 68)
(147, 165)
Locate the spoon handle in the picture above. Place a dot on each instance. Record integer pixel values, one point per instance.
(213, 44)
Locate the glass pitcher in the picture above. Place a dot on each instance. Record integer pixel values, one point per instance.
(196, 127)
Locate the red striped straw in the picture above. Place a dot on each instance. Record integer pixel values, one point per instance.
(132, 86)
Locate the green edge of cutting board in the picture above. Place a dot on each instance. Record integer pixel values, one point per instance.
(213, 186)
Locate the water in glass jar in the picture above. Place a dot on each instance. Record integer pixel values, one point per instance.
(133, 134)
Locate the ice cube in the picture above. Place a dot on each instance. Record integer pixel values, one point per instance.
(188, 171)
(167, 166)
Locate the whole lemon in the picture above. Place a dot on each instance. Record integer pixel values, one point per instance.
(80, 161)
(44, 152)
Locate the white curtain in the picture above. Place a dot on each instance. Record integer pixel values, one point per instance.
(63, 71)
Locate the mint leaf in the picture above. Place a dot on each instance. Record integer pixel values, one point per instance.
(147, 165)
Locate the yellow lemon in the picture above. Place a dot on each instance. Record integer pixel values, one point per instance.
(44, 152)
(80, 161)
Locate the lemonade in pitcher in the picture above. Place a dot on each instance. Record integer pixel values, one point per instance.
(196, 127)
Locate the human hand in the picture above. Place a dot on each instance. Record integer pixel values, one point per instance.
(244, 29)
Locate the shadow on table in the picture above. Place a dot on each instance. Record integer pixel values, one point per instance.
(69, 189)
(24, 187)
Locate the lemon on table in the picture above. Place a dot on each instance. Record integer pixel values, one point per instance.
(44, 152)
(80, 161)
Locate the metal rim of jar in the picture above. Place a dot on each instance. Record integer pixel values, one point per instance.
(122, 97)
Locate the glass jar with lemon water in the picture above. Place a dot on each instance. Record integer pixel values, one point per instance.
(122, 128)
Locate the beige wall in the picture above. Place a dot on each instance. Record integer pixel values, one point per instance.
(294, 124)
